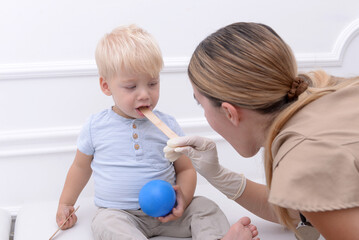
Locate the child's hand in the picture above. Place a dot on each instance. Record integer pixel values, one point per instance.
(63, 211)
(178, 210)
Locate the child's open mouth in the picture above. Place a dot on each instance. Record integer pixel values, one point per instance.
(139, 110)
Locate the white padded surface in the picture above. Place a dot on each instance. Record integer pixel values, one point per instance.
(37, 221)
(5, 224)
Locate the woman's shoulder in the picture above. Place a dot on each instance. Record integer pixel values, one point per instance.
(316, 175)
(316, 155)
(332, 119)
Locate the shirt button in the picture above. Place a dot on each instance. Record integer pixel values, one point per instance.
(135, 136)
(137, 146)
(134, 126)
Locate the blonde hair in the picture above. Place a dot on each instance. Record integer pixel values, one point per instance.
(249, 65)
(128, 48)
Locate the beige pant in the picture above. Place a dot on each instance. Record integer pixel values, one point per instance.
(202, 219)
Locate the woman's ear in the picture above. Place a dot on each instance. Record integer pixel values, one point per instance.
(232, 113)
(104, 87)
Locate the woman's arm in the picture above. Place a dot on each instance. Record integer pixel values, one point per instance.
(255, 199)
(339, 224)
(203, 153)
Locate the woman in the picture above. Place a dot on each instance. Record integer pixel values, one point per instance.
(245, 77)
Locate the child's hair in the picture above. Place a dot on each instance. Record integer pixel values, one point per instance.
(128, 48)
(249, 65)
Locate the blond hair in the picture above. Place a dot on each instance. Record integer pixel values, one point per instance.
(249, 65)
(128, 48)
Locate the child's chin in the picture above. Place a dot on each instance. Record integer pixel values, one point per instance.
(139, 116)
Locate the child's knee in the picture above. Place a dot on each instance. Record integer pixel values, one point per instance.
(204, 204)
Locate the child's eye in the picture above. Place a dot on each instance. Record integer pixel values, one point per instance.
(153, 84)
(131, 87)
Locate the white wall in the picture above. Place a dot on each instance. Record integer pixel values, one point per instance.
(49, 86)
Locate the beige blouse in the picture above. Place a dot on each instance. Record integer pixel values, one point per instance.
(316, 155)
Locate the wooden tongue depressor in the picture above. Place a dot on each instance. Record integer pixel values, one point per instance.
(53, 235)
(157, 122)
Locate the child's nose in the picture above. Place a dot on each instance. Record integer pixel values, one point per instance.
(143, 94)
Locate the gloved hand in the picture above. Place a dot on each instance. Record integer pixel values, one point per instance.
(203, 153)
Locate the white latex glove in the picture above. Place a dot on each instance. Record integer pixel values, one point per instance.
(203, 153)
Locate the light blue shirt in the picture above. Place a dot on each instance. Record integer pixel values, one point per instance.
(127, 153)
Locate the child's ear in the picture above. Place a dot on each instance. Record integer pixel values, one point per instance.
(104, 87)
(232, 113)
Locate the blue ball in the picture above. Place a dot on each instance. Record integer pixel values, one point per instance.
(157, 198)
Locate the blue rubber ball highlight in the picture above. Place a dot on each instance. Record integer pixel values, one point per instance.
(157, 198)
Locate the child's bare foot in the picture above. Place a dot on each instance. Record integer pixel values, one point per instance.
(242, 230)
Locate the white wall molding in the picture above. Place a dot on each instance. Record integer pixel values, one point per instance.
(13, 210)
(63, 140)
(334, 58)
(37, 142)
(176, 65)
(47, 70)
(71, 69)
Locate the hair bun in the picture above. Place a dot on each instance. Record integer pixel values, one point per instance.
(299, 85)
